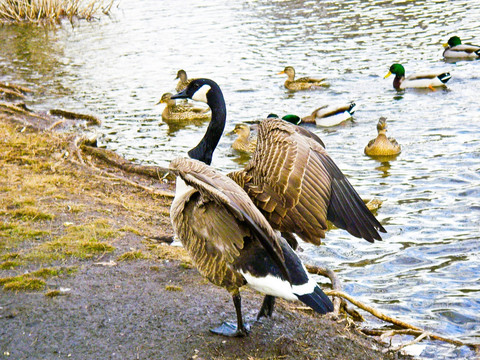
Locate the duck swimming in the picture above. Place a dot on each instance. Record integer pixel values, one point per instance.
(331, 115)
(417, 80)
(244, 142)
(174, 112)
(454, 49)
(382, 145)
(183, 80)
(304, 83)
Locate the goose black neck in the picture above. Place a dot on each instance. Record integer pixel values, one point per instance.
(205, 148)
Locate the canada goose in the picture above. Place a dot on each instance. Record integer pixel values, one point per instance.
(304, 83)
(227, 237)
(244, 142)
(382, 145)
(454, 49)
(174, 112)
(416, 80)
(331, 115)
(293, 180)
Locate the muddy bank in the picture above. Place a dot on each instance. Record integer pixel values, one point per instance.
(86, 274)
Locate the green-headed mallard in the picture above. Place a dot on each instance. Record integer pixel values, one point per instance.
(454, 49)
(304, 83)
(244, 142)
(417, 80)
(382, 145)
(181, 113)
(331, 115)
(183, 80)
(294, 119)
(228, 238)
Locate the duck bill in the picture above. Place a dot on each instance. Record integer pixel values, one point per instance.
(389, 73)
(281, 72)
(180, 95)
(445, 45)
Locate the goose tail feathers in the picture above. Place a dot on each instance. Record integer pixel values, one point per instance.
(317, 300)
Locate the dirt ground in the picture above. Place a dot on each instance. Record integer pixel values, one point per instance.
(85, 272)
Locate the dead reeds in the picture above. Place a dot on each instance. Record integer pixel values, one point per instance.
(51, 11)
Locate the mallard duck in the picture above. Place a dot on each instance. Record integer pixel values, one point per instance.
(416, 80)
(331, 115)
(229, 240)
(180, 113)
(454, 49)
(183, 80)
(244, 142)
(381, 145)
(304, 83)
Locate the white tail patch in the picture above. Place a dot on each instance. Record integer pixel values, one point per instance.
(270, 285)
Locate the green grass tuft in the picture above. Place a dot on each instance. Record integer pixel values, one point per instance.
(173, 288)
(132, 255)
(9, 265)
(22, 283)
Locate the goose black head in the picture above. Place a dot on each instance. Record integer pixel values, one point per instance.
(198, 90)
(209, 92)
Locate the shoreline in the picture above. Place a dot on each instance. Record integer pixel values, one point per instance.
(87, 272)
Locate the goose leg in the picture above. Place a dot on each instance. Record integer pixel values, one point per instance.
(232, 330)
(267, 307)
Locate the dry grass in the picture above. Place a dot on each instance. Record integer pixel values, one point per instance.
(51, 11)
(54, 213)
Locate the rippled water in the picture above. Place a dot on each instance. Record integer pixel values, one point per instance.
(427, 269)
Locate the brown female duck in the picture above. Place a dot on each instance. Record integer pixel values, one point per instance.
(183, 80)
(382, 145)
(244, 142)
(305, 83)
(174, 112)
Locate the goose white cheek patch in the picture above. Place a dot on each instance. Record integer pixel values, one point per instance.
(201, 94)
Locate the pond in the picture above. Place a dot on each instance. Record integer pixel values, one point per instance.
(427, 269)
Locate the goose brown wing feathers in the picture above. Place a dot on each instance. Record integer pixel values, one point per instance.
(298, 187)
(229, 212)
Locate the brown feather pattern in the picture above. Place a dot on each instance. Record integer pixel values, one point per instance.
(213, 219)
(298, 187)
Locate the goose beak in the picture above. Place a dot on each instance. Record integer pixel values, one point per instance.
(389, 73)
(180, 95)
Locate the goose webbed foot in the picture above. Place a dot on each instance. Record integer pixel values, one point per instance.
(267, 308)
(231, 330)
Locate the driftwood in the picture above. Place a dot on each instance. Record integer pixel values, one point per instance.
(111, 158)
(13, 92)
(407, 329)
(90, 119)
